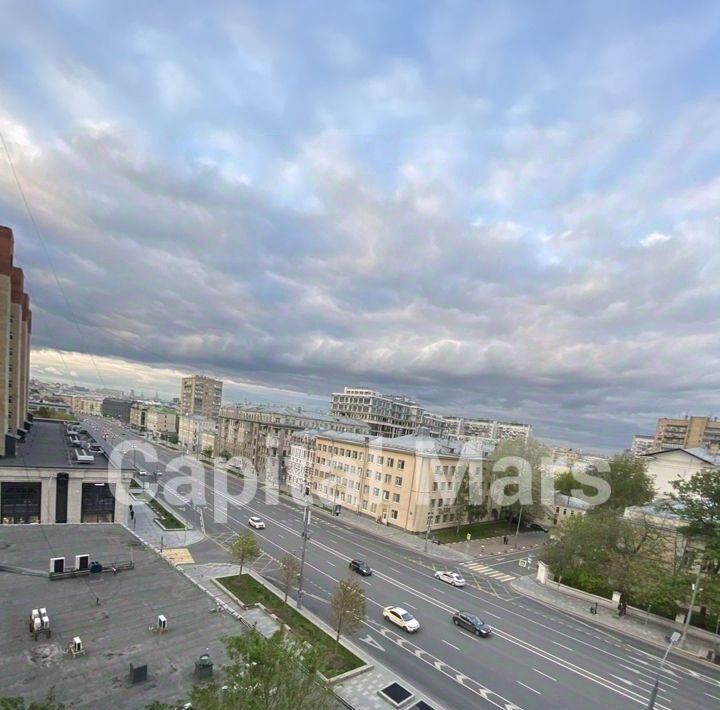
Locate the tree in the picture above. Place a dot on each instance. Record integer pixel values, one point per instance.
(347, 607)
(274, 673)
(207, 452)
(629, 482)
(289, 571)
(244, 547)
(48, 703)
(565, 483)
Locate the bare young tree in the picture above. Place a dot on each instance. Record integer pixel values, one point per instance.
(347, 607)
(244, 547)
(289, 573)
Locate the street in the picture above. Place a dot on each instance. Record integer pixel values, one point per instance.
(537, 657)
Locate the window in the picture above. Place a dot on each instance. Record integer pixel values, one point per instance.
(380, 460)
(435, 485)
(437, 470)
(398, 480)
(557, 510)
(335, 450)
(373, 507)
(364, 505)
(388, 478)
(437, 518)
(98, 503)
(432, 502)
(386, 495)
(394, 514)
(354, 454)
(378, 475)
(445, 517)
(390, 461)
(401, 465)
(445, 471)
(371, 458)
(20, 503)
(376, 492)
(396, 497)
(452, 470)
(366, 490)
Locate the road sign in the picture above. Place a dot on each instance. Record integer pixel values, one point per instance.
(522, 563)
(468, 537)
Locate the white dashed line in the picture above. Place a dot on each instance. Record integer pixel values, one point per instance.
(545, 674)
(450, 644)
(528, 687)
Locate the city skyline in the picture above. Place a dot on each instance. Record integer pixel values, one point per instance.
(501, 211)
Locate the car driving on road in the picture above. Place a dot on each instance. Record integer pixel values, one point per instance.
(400, 617)
(360, 567)
(471, 622)
(454, 578)
(257, 523)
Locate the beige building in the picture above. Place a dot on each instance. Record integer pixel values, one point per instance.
(15, 328)
(206, 442)
(161, 420)
(261, 433)
(642, 444)
(85, 404)
(410, 482)
(688, 433)
(201, 395)
(566, 507)
(138, 415)
(191, 430)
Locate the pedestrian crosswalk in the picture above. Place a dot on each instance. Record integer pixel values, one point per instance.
(479, 568)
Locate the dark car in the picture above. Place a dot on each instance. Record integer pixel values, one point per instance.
(471, 622)
(360, 567)
(538, 526)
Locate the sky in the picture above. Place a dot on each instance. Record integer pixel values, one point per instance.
(504, 210)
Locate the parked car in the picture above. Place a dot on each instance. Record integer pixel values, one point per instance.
(453, 578)
(404, 619)
(257, 523)
(360, 567)
(538, 526)
(471, 622)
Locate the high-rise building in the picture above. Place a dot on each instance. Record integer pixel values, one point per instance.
(201, 395)
(15, 328)
(385, 414)
(688, 433)
(642, 444)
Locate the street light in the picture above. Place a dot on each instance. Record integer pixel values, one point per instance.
(517, 529)
(305, 538)
(674, 638)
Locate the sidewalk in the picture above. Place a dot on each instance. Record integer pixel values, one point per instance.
(645, 629)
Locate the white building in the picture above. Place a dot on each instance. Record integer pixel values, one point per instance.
(191, 427)
(673, 464)
(642, 444)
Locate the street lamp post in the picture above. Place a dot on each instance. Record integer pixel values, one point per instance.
(517, 529)
(674, 638)
(427, 532)
(305, 538)
(688, 617)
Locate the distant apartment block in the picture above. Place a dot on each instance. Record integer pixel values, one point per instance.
(688, 433)
(161, 420)
(385, 414)
(90, 405)
(15, 327)
(261, 433)
(192, 429)
(410, 482)
(201, 395)
(465, 429)
(642, 444)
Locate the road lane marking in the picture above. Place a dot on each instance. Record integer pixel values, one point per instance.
(450, 644)
(714, 697)
(545, 674)
(489, 613)
(567, 648)
(528, 687)
(332, 564)
(623, 680)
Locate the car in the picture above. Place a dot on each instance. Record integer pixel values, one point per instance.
(453, 578)
(142, 472)
(157, 474)
(400, 617)
(360, 567)
(472, 622)
(257, 523)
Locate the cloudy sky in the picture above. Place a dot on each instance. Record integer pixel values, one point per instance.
(504, 209)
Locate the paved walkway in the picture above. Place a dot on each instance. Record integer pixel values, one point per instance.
(634, 624)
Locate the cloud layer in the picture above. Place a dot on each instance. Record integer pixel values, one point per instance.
(501, 212)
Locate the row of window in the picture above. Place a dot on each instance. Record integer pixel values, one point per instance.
(359, 456)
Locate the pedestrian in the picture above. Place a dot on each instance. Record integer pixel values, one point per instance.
(505, 539)
(132, 514)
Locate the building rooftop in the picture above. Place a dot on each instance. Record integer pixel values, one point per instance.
(47, 446)
(698, 452)
(295, 412)
(115, 632)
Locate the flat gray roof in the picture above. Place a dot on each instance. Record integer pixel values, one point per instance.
(47, 446)
(115, 633)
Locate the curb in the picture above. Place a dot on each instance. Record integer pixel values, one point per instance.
(597, 622)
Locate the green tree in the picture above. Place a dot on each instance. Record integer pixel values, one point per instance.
(629, 482)
(244, 547)
(347, 607)
(566, 483)
(289, 573)
(48, 703)
(274, 673)
(207, 452)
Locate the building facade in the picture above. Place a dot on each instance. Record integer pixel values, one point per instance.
(15, 329)
(677, 464)
(138, 415)
(409, 482)
(261, 433)
(90, 405)
(115, 408)
(642, 444)
(688, 433)
(465, 429)
(191, 428)
(566, 507)
(201, 395)
(161, 420)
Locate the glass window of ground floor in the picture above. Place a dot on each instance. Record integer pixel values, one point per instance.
(20, 502)
(98, 503)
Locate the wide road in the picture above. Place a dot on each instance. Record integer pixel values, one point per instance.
(537, 657)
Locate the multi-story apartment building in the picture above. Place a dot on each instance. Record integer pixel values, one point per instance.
(138, 415)
(688, 433)
(201, 395)
(192, 427)
(116, 408)
(642, 444)
(161, 420)
(261, 433)
(385, 414)
(15, 328)
(465, 429)
(410, 482)
(85, 404)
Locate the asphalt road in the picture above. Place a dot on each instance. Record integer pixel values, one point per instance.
(536, 658)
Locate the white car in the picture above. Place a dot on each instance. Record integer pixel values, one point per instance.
(450, 577)
(142, 472)
(256, 523)
(400, 617)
